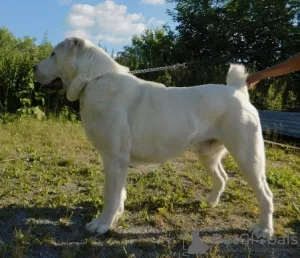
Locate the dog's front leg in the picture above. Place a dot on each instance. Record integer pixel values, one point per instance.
(115, 170)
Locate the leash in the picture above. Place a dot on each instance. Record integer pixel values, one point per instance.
(161, 68)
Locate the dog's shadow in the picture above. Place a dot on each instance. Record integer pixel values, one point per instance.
(55, 232)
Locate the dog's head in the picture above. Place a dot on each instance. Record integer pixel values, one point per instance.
(72, 63)
(56, 72)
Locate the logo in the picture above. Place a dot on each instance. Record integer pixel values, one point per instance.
(230, 243)
(197, 246)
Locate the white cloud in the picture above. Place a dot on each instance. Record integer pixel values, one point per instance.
(152, 2)
(111, 39)
(106, 21)
(79, 33)
(81, 21)
(65, 1)
(153, 22)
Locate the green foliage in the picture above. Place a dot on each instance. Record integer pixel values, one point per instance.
(165, 79)
(213, 33)
(66, 114)
(27, 97)
(274, 99)
(31, 112)
(259, 33)
(292, 99)
(17, 57)
(151, 49)
(8, 118)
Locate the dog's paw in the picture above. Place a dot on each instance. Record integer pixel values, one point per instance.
(97, 226)
(212, 200)
(260, 231)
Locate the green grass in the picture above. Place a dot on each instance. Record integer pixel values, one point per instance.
(52, 184)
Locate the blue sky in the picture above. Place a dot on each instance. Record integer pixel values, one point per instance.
(113, 22)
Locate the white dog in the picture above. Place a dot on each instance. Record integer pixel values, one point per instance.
(130, 120)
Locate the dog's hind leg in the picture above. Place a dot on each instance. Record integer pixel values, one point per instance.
(244, 141)
(210, 156)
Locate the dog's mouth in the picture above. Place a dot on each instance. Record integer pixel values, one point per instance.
(53, 86)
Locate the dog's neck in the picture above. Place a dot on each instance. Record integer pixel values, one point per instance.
(94, 63)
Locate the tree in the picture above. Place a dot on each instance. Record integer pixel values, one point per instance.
(151, 49)
(259, 33)
(17, 57)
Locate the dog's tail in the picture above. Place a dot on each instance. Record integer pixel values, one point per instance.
(237, 77)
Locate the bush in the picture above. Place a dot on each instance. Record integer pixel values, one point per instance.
(274, 97)
(17, 57)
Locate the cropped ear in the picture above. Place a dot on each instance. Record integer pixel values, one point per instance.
(72, 43)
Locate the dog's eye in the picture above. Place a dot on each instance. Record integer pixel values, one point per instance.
(52, 54)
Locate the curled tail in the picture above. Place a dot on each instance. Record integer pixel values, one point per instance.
(237, 77)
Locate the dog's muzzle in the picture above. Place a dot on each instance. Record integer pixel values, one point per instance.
(53, 86)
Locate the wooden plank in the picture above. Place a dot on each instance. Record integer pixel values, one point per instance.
(284, 146)
(285, 123)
